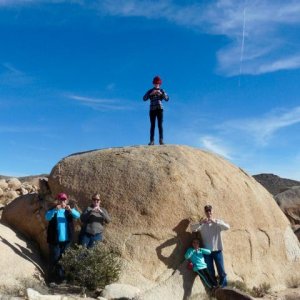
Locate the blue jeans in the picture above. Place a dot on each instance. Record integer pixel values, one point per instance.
(89, 240)
(217, 257)
(56, 251)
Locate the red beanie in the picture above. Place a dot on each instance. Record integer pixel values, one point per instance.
(157, 80)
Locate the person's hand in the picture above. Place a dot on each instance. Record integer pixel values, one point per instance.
(58, 206)
(96, 208)
(68, 207)
(203, 221)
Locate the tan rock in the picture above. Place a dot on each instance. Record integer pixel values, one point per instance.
(3, 184)
(26, 214)
(19, 260)
(151, 194)
(1, 192)
(11, 195)
(289, 202)
(14, 183)
(116, 291)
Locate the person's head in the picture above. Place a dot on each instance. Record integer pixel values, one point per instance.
(157, 81)
(96, 199)
(196, 243)
(62, 199)
(208, 210)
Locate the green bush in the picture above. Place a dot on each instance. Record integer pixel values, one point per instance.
(91, 268)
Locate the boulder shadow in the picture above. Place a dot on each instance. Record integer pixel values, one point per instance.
(174, 259)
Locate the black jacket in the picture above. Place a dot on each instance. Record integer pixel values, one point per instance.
(52, 234)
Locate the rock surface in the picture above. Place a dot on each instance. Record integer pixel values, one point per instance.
(289, 202)
(116, 291)
(19, 261)
(152, 193)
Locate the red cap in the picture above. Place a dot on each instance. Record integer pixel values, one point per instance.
(157, 80)
(62, 196)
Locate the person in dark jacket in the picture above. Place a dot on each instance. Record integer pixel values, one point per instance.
(156, 96)
(59, 233)
(93, 218)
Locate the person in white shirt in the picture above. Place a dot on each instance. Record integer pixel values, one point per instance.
(210, 230)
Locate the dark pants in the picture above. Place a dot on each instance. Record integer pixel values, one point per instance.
(157, 113)
(55, 252)
(217, 257)
(206, 278)
(90, 240)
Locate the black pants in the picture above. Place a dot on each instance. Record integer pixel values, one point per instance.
(206, 278)
(56, 271)
(157, 113)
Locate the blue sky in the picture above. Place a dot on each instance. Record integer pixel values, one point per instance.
(73, 73)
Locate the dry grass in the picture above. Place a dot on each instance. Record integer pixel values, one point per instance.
(293, 282)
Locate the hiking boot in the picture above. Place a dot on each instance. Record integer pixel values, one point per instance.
(161, 142)
(151, 143)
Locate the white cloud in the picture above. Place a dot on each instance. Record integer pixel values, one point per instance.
(269, 26)
(263, 128)
(215, 145)
(11, 76)
(101, 104)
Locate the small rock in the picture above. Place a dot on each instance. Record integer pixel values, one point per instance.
(14, 183)
(231, 294)
(117, 290)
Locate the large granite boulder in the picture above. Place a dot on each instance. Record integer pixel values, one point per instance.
(153, 194)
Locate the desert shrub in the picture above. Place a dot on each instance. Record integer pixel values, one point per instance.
(240, 285)
(293, 282)
(261, 290)
(19, 289)
(91, 268)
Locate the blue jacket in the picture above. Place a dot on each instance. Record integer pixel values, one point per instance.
(196, 257)
(60, 227)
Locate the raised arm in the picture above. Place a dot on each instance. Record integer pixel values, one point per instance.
(164, 95)
(189, 253)
(50, 214)
(222, 224)
(147, 95)
(205, 251)
(105, 215)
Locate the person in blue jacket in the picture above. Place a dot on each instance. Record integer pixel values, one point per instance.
(59, 233)
(195, 255)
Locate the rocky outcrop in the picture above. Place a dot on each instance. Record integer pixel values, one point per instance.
(289, 202)
(11, 188)
(153, 195)
(275, 184)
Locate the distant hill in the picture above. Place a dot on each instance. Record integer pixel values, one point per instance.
(275, 184)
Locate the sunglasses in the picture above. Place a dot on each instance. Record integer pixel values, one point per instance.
(96, 199)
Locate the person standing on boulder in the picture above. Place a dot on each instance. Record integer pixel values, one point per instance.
(156, 96)
(195, 255)
(93, 219)
(60, 233)
(210, 230)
